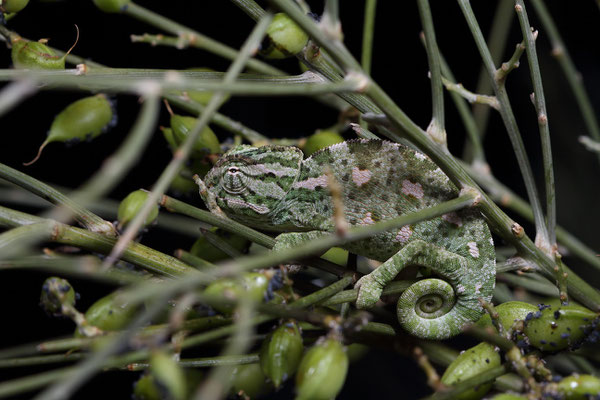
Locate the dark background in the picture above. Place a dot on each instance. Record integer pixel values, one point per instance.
(399, 66)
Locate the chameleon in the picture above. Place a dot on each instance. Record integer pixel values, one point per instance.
(273, 188)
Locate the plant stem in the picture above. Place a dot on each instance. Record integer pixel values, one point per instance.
(497, 42)
(134, 82)
(205, 362)
(135, 253)
(560, 52)
(40, 360)
(509, 120)
(368, 33)
(347, 296)
(471, 97)
(547, 243)
(229, 225)
(90, 220)
(499, 221)
(436, 129)
(201, 41)
(15, 93)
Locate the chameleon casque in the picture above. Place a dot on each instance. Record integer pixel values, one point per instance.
(272, 188)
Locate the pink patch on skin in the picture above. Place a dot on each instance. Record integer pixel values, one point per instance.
(360, 177)
(412, 189)
(453, 218)
(311, 183)
(367, 220)
(404, 234)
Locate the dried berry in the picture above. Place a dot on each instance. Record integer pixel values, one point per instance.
(56, 292)
(81, 120)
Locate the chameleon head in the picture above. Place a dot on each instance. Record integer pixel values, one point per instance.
(248, 182)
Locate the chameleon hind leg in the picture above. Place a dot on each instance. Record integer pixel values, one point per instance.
(430, 308)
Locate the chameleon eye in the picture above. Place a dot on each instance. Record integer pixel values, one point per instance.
(234, 180)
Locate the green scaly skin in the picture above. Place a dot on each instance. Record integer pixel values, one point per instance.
(273, 188)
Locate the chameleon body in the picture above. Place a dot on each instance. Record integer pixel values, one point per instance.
(273, 188)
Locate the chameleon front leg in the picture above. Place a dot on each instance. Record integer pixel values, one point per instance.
(431, 308)
(293, 239)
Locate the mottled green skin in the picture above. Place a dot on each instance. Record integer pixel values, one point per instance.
(272, 188)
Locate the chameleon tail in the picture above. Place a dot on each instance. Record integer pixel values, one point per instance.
(430, 308)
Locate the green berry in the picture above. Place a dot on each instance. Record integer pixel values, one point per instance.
(27, 54)
(508, 313)
(112, 6)
(508, 396)
(56, 292)
(556, 328)
(322, 371)
(163, 380)
(251, 285)
(580, 387)
(471, 362)
(81, 120)
(248, 380)
(281, 352)
(207, 142)
(168, 135)
(284, 38)
(320, 140)
(204, 249)
(110, 313)
(131, 205)
(11, 6)
(336, 255)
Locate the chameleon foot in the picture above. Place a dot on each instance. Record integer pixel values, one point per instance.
(369, 292)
